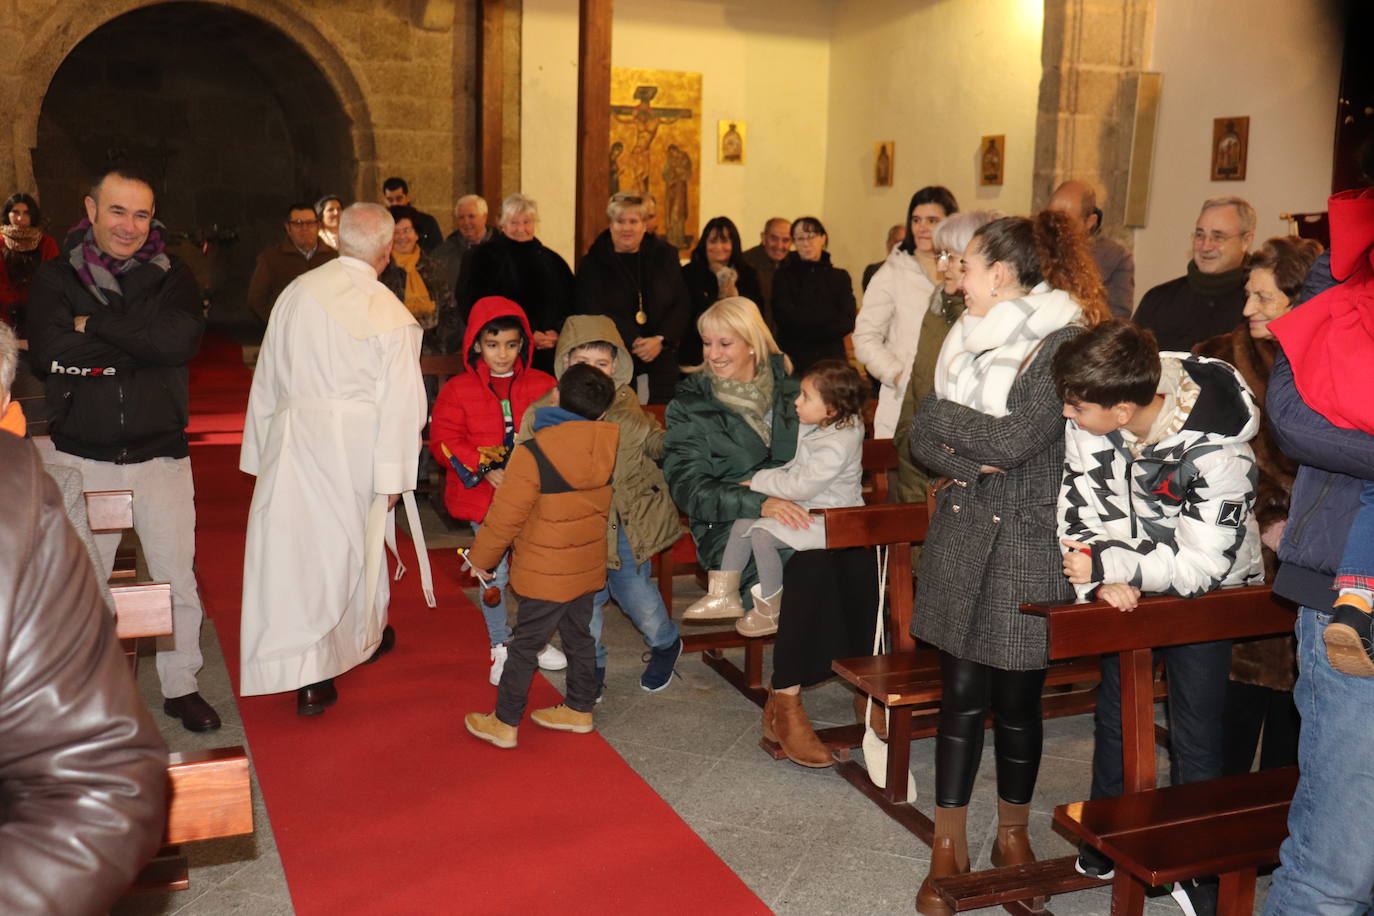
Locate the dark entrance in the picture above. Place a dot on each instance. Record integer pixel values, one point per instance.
(229, 116)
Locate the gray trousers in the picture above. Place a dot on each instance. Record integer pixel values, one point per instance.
(762, 546)
(165, 520)
(535, 621)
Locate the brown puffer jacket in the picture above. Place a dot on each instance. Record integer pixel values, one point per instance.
(552, 509)
(83, 770)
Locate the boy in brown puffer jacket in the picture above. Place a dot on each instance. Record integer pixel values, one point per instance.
(552, 508)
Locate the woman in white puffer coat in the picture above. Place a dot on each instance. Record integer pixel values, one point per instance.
(888, 327)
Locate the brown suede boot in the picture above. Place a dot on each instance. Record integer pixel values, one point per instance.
(877, 718)
(792, 729)
(1013, 844)
(948, 856)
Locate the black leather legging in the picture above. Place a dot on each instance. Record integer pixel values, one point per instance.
(969, 688)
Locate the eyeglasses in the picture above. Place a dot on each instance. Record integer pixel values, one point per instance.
(809, 237)
(1215, 237)
(299, 223)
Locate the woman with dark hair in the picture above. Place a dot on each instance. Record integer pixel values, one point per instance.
(327, 210)
(633, 277)
(417, 279)
(26, 246)
(888, 329)
(993, 428)
(813, 301)
(516, 265)
(716, 271)
(1259, 695)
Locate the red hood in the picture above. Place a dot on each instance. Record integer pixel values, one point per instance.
(484, 310)
(1352, 230)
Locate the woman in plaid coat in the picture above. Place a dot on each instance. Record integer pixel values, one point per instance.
(993, 430)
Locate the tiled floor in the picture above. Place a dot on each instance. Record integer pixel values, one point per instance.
(804, 840)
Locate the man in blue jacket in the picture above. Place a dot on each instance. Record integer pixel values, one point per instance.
(1327, 860)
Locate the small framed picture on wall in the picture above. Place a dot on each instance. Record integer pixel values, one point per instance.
(1230, 145)
(730, 136)
(883, 151)
(992, 159)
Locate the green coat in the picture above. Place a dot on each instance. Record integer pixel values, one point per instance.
(912, 479)
(639, 494)
(710, 449)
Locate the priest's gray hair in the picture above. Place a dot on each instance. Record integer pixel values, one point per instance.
(364, 231)
(9, 359)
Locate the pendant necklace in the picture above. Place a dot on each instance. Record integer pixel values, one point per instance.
(641, 316)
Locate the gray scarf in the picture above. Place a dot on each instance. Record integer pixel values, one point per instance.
(752, 400)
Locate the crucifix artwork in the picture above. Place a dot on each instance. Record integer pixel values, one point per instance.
(656, 146)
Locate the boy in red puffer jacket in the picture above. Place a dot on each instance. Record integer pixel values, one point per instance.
(472, 432)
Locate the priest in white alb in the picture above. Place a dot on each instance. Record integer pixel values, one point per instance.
(333, 436)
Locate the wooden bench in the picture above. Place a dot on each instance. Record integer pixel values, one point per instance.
(441, 368)
(857, 530)
(1077, 630)
(1228, 827)
(109, 511)
(210, 797)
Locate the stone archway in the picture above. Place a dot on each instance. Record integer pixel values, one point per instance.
(234, 108)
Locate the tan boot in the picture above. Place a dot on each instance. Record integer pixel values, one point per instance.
(1013, 843)
(562, 719)
(948, 856)
(877, 717)
(486, 726)
(792, 729)
(763, 619)
(721, 600)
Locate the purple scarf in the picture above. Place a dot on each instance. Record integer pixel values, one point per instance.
(98, 270)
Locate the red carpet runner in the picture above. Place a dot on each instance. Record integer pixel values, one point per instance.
(385, 804)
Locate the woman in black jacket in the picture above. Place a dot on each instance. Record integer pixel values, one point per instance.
(813, 301)
(716, 271)
(634, 279)
(516, 265)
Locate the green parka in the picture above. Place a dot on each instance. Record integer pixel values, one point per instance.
(710, 449)
(639, 500)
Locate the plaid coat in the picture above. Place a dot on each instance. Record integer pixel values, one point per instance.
(992, 544)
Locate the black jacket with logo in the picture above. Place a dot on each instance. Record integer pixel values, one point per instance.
(117, 391)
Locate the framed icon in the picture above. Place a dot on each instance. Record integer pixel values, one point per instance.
(883, 152)
(1230, 145)
(730, 142)
(992, 159)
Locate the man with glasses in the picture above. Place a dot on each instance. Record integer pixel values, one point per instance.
(775, 241)
(280, 264)
(1210, 299)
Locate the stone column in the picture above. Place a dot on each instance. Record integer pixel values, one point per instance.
(1092, 53)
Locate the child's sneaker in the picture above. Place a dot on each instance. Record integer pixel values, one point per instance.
(1094, 864)
(561, 718)
(551, 658)
(1347, 636)
(498, 663)
(659, 672)
(600, 684)
(491, 729)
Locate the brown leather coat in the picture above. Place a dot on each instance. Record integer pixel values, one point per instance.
(554, 515)
(83, 778)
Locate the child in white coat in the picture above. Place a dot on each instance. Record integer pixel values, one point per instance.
(824, 474)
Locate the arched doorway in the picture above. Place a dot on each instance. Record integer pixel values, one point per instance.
(231, 117)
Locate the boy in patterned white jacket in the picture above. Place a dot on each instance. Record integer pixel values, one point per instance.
(1159, 483)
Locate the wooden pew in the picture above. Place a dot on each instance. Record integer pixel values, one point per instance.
(1228, 827)
(441, 368)
(879, 463)
(210, 798)
(108, 511)
(1076, 630)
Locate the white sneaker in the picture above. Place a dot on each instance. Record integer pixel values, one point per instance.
(551, 658)
(498, 663)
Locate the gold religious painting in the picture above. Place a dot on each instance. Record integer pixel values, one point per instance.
(730, 142)
(992, 159)
(656, 146)
(882, 163)
(1230, 144)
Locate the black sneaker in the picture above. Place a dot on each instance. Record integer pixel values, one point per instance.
(659, 672)
(1094, 864)
(1196, 897)
(600, 684)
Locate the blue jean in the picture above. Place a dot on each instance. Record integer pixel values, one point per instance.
(1358, 560)
(1197, 706)
(1328, 861)
(635, 592)
(497, 626)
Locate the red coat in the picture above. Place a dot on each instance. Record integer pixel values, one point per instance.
(467, 414)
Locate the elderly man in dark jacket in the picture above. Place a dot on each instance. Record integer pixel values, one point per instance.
(83, 779)
(112, 324)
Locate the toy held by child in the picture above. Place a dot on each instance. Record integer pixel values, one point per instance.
(824, 474)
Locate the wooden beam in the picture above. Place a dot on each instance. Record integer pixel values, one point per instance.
(491, 115)
(593, 120)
